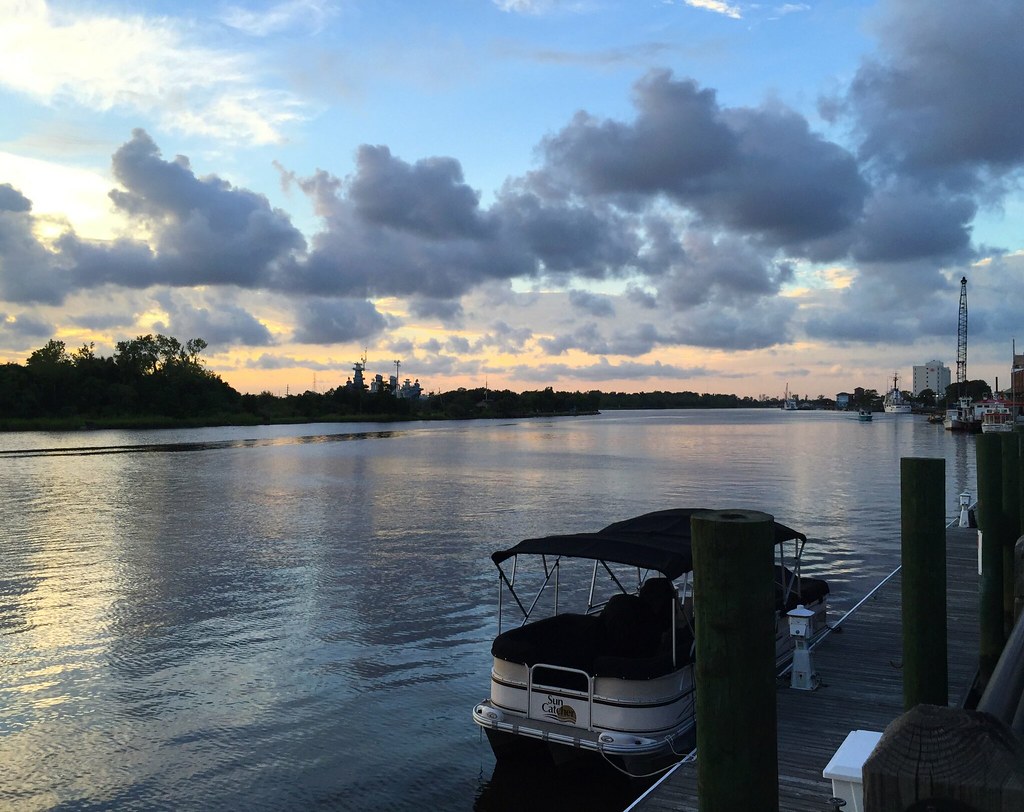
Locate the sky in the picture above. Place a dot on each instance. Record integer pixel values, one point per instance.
(628, 195)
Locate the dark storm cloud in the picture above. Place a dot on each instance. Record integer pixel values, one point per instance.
(218, 321)
(637, 339)
(700, 268)
(593, 303)
(331, 321)
(505, 338)
(449, 311)
(890, 303)
(427, 198)
(13, 200)
(102, 319)
(205, 231)
(28, 271)
(946, 92)
(457, 345)
(905, 222)
(561, 237)
(356, 256)
(25, 325)
(754, 170)
(754, 326)
(372, 246)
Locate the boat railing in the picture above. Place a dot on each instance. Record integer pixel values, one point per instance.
(535, 711)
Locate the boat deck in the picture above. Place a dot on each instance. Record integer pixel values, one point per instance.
(862, 687)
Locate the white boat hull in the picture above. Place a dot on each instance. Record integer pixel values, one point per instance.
(643, 725)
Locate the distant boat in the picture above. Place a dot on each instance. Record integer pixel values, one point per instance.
(962, 417)
(894, 402)
(996, 416)
(864, 415)
(788, 402)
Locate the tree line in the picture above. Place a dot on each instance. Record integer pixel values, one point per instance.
(156, 380)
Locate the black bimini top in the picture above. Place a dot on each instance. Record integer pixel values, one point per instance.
(656, 541)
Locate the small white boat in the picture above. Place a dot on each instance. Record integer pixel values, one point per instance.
(996, 417)
(615, 677)
(962, 417)
(864, 415)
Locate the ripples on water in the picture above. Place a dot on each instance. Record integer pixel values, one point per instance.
(279, 618)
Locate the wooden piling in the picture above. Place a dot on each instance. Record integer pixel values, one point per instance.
(923, 546)
(734, 603)
(990, 583)
(935, 757)
(1011, 520)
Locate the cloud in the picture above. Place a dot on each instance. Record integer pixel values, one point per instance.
(604, 370)
(505, 338)
(700, 268)
(759, 171)
(757, 325)
(945, 93)
(448, 311)
(903, 221)
(145, 66)
(428, 198)
(305, 14)
(716, 6)
(219, 321)
(697, 211)
(13, 200)
(25, 326)
(530, 7)
(592, 303)
(332, 321)
(278, 361)
(28, 271)
(204, 227)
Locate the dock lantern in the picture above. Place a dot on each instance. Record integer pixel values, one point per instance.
(965, 509)
(802, 676)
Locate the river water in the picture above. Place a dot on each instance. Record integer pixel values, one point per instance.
(300, 617)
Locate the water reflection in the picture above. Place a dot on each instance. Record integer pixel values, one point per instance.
(205, 445)
(281, 618)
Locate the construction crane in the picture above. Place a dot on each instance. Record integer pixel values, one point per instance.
(961, 342)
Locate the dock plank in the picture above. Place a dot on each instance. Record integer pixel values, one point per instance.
(860, 667)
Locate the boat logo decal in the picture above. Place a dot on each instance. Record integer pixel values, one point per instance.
(555, 708)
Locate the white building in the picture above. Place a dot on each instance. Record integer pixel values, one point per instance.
(932, 375)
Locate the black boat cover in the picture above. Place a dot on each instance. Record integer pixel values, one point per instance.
(655, 541)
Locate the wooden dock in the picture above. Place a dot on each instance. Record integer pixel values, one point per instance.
(861, 687)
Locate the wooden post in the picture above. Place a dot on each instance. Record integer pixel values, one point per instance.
(734, 612)
(923, 545)
(1020, 489)
(1011, 519)
(1018, 575)
(949, 755)
(990, 583)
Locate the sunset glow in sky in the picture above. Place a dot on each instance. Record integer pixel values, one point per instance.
(677, 195)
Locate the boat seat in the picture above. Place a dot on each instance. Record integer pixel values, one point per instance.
(629, 626)
(660, 595)
(569, 640)
(655, 665)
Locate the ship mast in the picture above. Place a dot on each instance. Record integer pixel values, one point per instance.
(961, 342)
